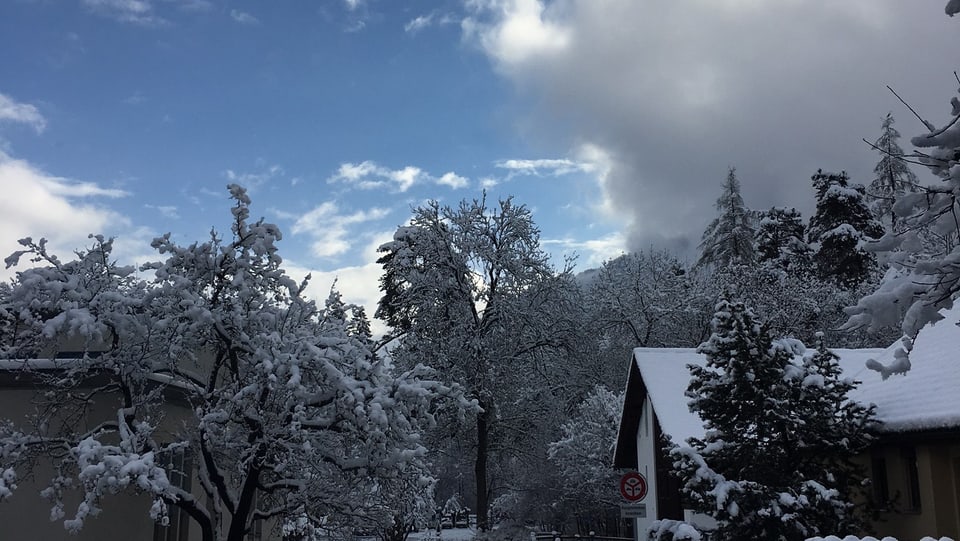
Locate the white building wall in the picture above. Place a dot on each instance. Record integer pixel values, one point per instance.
(646, 456)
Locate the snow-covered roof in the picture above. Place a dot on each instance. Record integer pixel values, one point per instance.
(665, 375)
(925, 398)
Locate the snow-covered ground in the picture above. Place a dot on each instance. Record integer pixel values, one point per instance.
(452, 534)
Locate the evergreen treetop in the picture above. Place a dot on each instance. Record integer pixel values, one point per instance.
(894, 177)
(729, 237)
(839, 227)
(780, 239)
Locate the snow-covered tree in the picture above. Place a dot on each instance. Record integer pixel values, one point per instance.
(836, 430)
(780, 241)
(894, 177)
(798, 304)
(922, 280)
(839, 228)
(470, 290)
(218, 358)
(729, 237)
(582, 454)
(646, 299)
(774, 463)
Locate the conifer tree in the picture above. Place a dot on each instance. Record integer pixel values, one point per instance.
(837, 231)
(894, 177)
(836, 430)
(780, 239)
(780, 435)
(728, 240)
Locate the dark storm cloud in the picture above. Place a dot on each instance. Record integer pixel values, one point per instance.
(675, 91)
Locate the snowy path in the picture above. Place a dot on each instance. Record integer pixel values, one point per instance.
(453, 534)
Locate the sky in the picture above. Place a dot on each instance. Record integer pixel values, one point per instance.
(614, 121)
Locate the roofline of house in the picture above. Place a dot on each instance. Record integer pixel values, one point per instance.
(30, 374)
(927, 435)
(625, 451)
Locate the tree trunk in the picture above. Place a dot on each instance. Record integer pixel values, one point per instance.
(480, 470)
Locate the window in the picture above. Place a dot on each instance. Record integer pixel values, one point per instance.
(879, 482)
(179, 466)
(908, 456)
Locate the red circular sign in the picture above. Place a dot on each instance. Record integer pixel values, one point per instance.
(633, 487)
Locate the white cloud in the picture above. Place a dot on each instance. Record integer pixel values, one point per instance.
(523, 31)
(40, 205)
(243, 17)
(545, 167)
(488, 182)
(369, 175)
(406, 177)
(433, 18)
(329, 228)
(418, 23)
(23, 113)
(126, 11)
(195, 5)
(357, 15)
(591, 253)
(64, 188)
(135, 99)
(255, 180)
(453, 180)
(168, 211)
(359, 284)
(600, 165)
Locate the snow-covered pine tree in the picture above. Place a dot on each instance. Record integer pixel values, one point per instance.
(729, 237)
(772, 463)
(837, 231)
(779, 240)
(894, 177)
(836, 430)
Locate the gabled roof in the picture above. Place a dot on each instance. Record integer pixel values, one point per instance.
(926, 398)
(665, 374)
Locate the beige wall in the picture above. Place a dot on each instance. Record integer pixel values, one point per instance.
(26, 516)
(938, 468)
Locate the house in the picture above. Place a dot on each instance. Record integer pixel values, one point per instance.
(28, 516)
(914, 464)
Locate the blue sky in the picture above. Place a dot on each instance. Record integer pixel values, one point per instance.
(614, 120)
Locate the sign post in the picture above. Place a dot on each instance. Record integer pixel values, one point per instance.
(633, 489)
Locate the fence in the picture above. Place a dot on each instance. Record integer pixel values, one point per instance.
(554, 536)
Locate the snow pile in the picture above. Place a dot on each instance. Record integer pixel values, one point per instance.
(677, 530)
(7, 483)
(869, 538)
